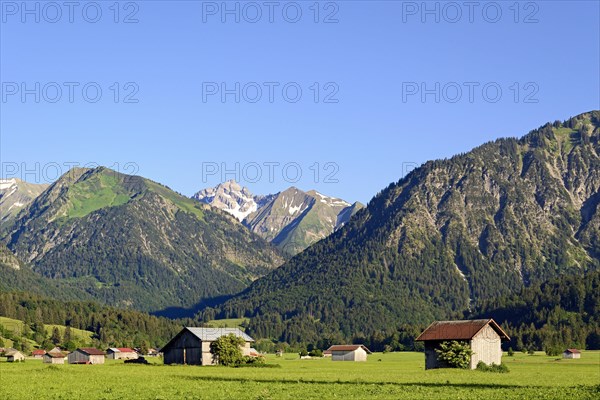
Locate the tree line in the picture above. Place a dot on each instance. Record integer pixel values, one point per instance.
(110, 326)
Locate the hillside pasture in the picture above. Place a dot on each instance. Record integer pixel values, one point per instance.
(384, 376)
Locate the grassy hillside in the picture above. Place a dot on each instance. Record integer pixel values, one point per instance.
(101, 190)
(17, 328)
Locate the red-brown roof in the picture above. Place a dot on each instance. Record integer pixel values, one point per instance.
(574, 351)
(348, 347)
(459, 330)
(38, 352)
(125, 350)
(91, 351)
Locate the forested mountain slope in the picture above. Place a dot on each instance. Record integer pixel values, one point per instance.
(477, 226)
(128, 241)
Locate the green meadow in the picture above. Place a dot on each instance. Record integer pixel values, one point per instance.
(384, 376)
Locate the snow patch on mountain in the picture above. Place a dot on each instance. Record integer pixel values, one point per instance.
(231, 198)
(7, 183)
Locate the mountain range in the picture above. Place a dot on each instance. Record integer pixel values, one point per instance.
(131, 242)
(292, 219)
(449, 235)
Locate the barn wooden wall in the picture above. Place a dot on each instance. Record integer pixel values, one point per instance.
(486, 347)
(174, 354)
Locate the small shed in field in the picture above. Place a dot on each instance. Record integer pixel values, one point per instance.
(121, 353)
(14, 356)
(54, 358)
(192, 345)
(86, 355)
(349, 352)
(39, 353)
(484, 336)
(571, 353)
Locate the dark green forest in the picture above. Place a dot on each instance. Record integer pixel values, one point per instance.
(111, 326)
(563, 312)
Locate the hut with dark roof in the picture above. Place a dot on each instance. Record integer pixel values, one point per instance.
(484, 336)
(192, 345)
(54, 358)
(86, 355)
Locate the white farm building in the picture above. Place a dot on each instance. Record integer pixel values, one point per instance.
(349, 352)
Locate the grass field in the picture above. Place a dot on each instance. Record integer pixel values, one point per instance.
(384, 376)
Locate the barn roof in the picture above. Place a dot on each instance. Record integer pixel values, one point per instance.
(348, 347)
(459, 330)
(574, 351)
(91, 351)
(38, 352)
(11, 352)
(212, 334)
(121, 350)
(55, 355)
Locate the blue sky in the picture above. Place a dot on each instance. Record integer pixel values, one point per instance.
(367, 125)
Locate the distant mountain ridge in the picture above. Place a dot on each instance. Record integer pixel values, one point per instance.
(232, 198)
(450, 234)
(132, 242)
(15, 195)
(291, 219)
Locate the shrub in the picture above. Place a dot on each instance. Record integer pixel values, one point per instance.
(510, 352)
(227, 350)
(502, 368)
(455, 354)
(553, 351)
(303, 353)
(531, 352)
(254, 360)
(316, 353)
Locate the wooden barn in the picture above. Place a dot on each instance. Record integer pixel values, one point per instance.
(121, 353)
(192, 345)
(13, 355)
(571, 353)
(86, 355)
(54, 358)
(484, 336)
(350, 352)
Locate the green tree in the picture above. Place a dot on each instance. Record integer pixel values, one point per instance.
(227, 350)
(55, 338)
(70, 345)
(454, 353)
(67, 335)
(144, 347)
